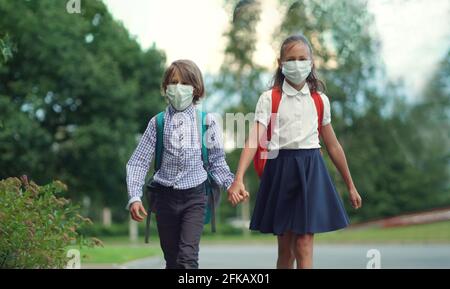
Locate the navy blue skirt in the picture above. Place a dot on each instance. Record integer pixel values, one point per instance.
(297, 195)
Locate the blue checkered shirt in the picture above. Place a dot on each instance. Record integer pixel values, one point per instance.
(182, 165)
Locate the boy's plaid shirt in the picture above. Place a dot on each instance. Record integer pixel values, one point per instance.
(182, 165)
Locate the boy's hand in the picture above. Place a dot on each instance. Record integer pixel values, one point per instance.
(237, 193)
(136, 209)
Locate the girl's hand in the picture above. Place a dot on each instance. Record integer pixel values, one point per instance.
(237, 193)
(136, 209)
(355, 199)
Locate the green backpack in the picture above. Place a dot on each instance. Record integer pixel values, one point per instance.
(212, 189)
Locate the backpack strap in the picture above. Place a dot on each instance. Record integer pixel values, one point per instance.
(159, 140)
(276, 99)
(259, 160)
(202, 127)
(158, 159)
(318, 102)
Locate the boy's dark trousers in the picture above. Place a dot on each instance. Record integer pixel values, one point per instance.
(180, 215)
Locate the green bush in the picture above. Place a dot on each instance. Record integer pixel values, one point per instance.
(117, 230)
(37, 226)
(222, 229)
(100, 230)
(121, 230)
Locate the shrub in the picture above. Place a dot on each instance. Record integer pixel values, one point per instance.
(37, 226)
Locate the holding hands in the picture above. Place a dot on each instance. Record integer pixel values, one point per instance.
(237, 193)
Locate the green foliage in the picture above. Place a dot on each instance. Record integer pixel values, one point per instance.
(36, 225)
(76, 90)
(74, 97)
(24, 143)
(122, 229)
(99, 230)
(6, 49)
(344, 43)
(116, 229)
(239, 75)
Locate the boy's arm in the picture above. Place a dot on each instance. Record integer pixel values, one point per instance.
(218, 167)
(139, 163)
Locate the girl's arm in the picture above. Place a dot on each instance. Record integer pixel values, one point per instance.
(262, 118)
(337, 155)
(257, 131)
(218, 167)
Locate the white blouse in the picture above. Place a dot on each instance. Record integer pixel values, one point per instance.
(296, 122)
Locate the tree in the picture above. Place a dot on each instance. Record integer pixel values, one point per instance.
(394, 164)
(345, 48)
(6, 48)
(239, 76)
(75, 95)
(429, 131)
(239, 81)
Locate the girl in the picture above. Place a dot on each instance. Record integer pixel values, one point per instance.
(296, 197)
(178, 184)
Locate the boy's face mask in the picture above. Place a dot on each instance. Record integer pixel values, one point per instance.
(180, 95)
(296, 71)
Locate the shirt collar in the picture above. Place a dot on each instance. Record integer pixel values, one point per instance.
(290, 91)
(189, 110)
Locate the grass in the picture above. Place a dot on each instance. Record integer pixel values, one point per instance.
(119, 250)
(117, 253)
(426, 233)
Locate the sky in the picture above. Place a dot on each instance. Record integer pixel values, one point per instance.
(415, 34)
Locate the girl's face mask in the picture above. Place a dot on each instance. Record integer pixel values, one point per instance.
(296, 71)
(180, 95)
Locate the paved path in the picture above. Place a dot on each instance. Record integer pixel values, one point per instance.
(325, 256)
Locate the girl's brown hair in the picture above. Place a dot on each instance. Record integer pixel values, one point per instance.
(314, 83)
(189, 73)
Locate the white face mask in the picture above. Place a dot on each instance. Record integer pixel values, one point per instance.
(296, 71)
(180, 95)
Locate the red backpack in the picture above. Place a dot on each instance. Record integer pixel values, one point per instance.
(259, 161)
